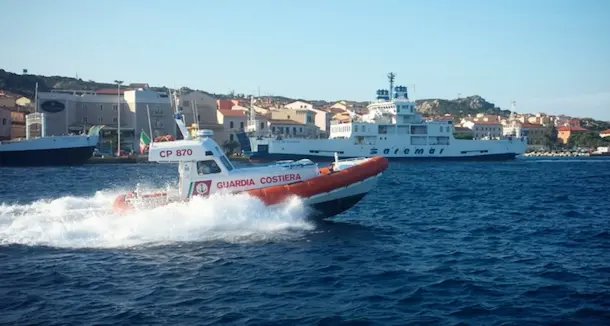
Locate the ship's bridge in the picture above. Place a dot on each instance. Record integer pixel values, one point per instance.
(202, 148)
(399, 105)
(404, 106)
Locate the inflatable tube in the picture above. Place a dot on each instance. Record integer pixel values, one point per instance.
(324, 183)
(120, 203)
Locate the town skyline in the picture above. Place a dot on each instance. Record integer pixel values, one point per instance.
(25, 73)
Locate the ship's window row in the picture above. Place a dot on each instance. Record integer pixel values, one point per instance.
(406, 108)
(383, 129)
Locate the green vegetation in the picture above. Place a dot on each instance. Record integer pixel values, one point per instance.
(230, 146)
(549, 138)
(594, 125)
(587, 139)
(462, 136)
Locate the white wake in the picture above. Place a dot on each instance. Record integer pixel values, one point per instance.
(89, 222)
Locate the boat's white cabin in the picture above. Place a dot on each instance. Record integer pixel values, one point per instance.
(204, 168)
(202, 150)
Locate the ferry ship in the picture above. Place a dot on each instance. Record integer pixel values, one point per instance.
(392, 128)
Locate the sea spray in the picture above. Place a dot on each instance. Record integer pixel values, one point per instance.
(90, 222)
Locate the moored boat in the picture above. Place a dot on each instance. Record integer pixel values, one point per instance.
(601, 151)
(48, 150)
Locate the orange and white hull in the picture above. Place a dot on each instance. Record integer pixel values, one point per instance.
(327, 194)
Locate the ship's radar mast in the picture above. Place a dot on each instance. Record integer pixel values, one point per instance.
(391, 78)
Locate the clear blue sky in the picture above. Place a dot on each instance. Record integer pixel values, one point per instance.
(548, 55)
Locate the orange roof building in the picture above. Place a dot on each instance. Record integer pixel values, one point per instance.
(605, 133)
(565, 132)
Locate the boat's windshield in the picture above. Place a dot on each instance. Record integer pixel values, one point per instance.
(226, 162)
(207, 167)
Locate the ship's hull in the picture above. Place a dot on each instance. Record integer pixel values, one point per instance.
(600, 154)
(331, 192)
(323, 150)
(331, 204)
(48, 151)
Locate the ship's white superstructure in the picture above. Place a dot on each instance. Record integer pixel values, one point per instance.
(392, 128)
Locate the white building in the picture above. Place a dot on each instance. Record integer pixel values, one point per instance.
(291, 128)
(296, 105)
(322, 121)
(76, 111)
(483, 129)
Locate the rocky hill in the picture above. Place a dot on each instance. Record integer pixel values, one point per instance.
(24, 84)
(459, 107)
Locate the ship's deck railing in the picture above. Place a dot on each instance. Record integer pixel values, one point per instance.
(282, 136)
(438, 122)
(16, 140)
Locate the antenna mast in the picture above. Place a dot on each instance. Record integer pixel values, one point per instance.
(391, 77)
(252, 109)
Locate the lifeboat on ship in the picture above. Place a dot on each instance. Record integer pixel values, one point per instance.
(204, 169)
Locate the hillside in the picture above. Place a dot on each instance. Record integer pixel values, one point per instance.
(24, 84)
(594, 125)
(459, 107)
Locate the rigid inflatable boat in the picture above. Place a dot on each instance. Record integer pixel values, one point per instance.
(204, 169)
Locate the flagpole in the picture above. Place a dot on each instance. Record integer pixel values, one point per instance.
(149, 124)
(193, 104)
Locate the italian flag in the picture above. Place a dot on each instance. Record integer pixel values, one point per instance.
(144, 141)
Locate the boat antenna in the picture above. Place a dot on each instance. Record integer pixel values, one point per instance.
(252, 109)
(195, 117)
(178, 116)
(391, 77)
(149, 123)
(36, 98)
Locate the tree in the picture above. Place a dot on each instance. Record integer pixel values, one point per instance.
(549, 138)
(587, 139)
(230, 146)
(462, 136)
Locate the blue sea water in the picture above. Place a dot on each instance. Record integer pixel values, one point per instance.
(525, 242)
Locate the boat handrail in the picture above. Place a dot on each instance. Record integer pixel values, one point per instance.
(292, 164)
(351, 159)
